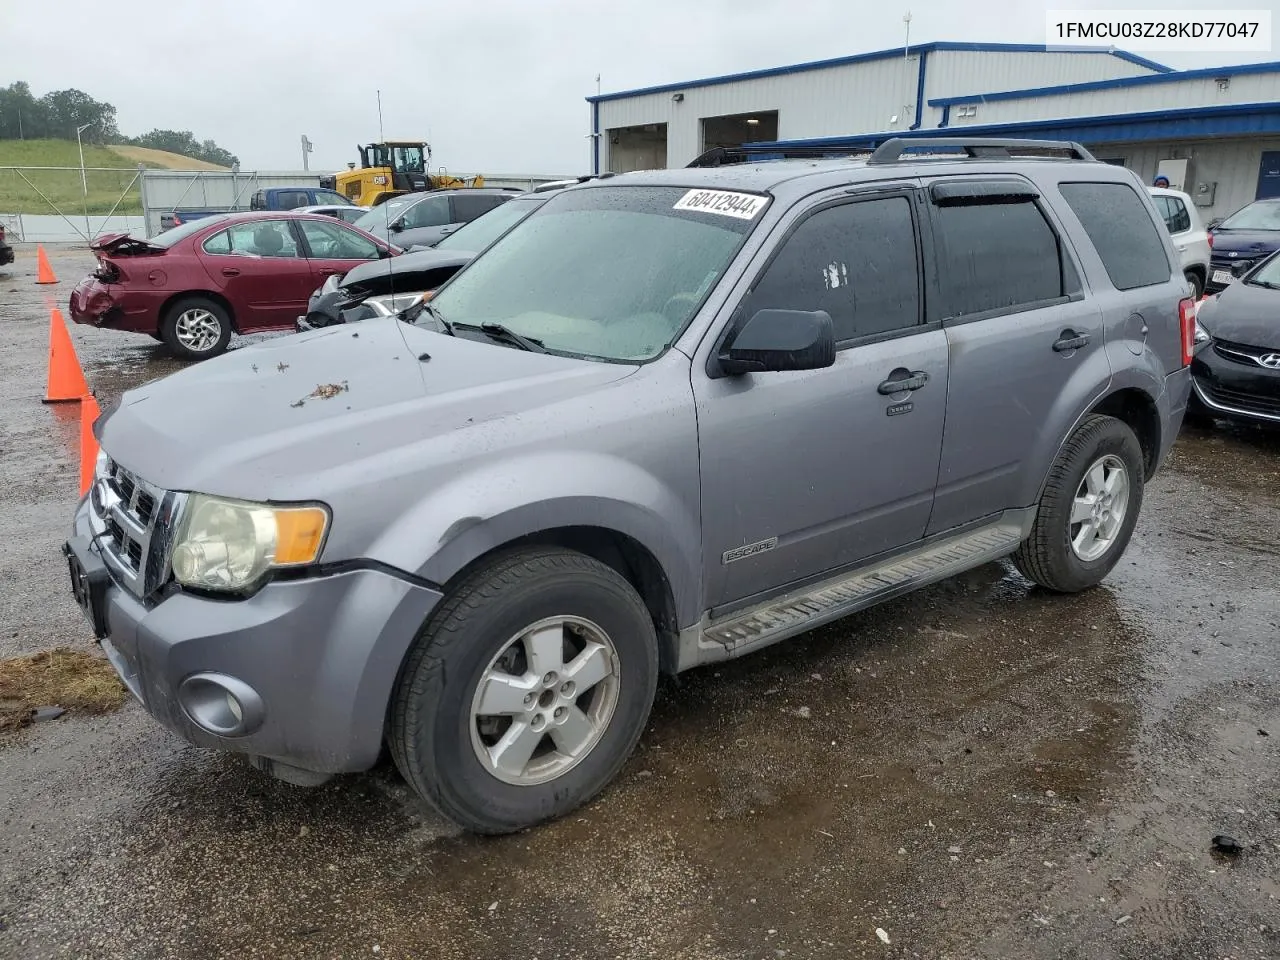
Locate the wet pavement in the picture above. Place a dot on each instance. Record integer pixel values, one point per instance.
(978, 770)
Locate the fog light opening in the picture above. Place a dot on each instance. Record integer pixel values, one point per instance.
(221, 705)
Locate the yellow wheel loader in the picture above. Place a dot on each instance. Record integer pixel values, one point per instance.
(392, 168)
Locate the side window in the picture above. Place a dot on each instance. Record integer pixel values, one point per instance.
(856, 261)
(998, 256)
(257, 238)
(432, 212)
(1179, 219)
(328, 196)
(292, 199)
(466, 206)
(332, 241)
(1122, 232)
(259, 201)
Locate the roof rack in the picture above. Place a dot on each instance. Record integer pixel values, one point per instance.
(891, 150)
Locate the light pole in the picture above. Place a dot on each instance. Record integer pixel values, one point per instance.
(84, 181)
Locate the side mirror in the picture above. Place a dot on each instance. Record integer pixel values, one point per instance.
(396, 226)
(1240, 269)
(1214, 224)
(780, 340)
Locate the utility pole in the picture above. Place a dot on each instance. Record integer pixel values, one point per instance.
(906, 44)
(306, 149)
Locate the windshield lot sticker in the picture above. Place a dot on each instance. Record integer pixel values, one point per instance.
(744, 206)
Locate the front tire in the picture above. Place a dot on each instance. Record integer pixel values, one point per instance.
(196, 328)
(526, 690)
(1088, 509)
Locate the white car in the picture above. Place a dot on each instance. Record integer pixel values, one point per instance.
(350, 214)
(1188, 232)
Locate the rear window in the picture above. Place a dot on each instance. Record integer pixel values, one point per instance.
(1256, 216)
(1122, 231)
(169, 237)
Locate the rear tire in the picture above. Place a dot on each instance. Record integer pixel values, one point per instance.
(1088, 509)
(1197, 285)
(525, 691)
(196, 328)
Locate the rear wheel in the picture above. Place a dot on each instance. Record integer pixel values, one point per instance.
(1197, 285)
(196, 328)
(526, 690)
(1088, 509)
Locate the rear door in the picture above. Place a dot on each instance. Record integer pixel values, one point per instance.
(334, 248)
(1024, 343)
(424, 222)
(259, 266)
(807, 472)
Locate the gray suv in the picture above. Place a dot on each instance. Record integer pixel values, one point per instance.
(670, 418)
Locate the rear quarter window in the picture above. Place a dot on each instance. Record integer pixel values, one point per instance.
(1121, 230)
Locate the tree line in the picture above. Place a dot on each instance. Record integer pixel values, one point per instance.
(57, 114)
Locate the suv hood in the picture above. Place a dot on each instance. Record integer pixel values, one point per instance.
(406, 263)
(257, 422)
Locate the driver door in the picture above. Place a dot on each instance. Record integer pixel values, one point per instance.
(334, 248)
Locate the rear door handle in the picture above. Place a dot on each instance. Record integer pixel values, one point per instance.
(230, 272)
(913, 381)
(1070, 340)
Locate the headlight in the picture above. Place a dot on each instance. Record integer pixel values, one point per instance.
(1202, 335)
(231, 545)
(389, 306)
(331, 284)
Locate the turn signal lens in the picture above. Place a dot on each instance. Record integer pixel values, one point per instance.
(299, 534)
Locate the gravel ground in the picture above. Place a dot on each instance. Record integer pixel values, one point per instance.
(980, 770)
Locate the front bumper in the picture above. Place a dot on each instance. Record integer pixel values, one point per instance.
(1236, 389)
(318, 657)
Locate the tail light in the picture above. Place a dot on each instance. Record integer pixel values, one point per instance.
(1187, 323)
(1, 234)
(1210, 236)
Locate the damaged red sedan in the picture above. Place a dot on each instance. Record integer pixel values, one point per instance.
(195, 285)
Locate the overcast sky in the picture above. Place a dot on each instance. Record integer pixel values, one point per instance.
(496, 86)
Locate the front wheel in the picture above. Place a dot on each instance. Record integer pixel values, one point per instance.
(1088, 509)
(526, 690)
(196, 328)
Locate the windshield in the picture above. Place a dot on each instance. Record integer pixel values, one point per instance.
(611, 273)
(407, 159)
(1267, 275)
(1256, 216)
(483, 230)
(171, 236)
(384, 213)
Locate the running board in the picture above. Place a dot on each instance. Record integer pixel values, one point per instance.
(784, 617)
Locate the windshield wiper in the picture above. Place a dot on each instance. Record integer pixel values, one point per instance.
(503, 333)
(1263, 283)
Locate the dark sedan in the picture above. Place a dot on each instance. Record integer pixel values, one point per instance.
(1245, 238)
(379, 289)
(1236, 368)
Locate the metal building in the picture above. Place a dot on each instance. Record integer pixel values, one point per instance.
(1215, 133)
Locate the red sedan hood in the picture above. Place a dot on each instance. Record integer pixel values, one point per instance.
(123, 245)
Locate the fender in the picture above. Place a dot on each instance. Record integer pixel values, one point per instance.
(504, 500)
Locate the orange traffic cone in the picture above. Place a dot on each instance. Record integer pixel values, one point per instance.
(88, 442)
(44, 272)
(66, 379)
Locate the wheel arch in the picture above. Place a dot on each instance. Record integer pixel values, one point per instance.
(1136, 408)
(217, 298)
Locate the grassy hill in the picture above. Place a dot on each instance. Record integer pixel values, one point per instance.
(20, 190)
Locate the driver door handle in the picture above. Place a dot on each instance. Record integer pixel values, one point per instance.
(914, 381)
(1070, 340)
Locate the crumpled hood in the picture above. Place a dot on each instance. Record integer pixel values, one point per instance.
(411, 262)
(1244, 314)
(259, 422)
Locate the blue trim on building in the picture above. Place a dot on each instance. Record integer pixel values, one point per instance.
(919, 49)
(924, 58)
(1189, 123)
(1243, 69)
(595, 139)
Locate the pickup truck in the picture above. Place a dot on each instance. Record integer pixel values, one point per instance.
(269, 198)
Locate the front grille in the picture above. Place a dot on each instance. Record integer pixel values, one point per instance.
(135, 521)
(1242, 353)
(1242, 400)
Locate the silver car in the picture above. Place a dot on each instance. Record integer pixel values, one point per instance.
(668, 419)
